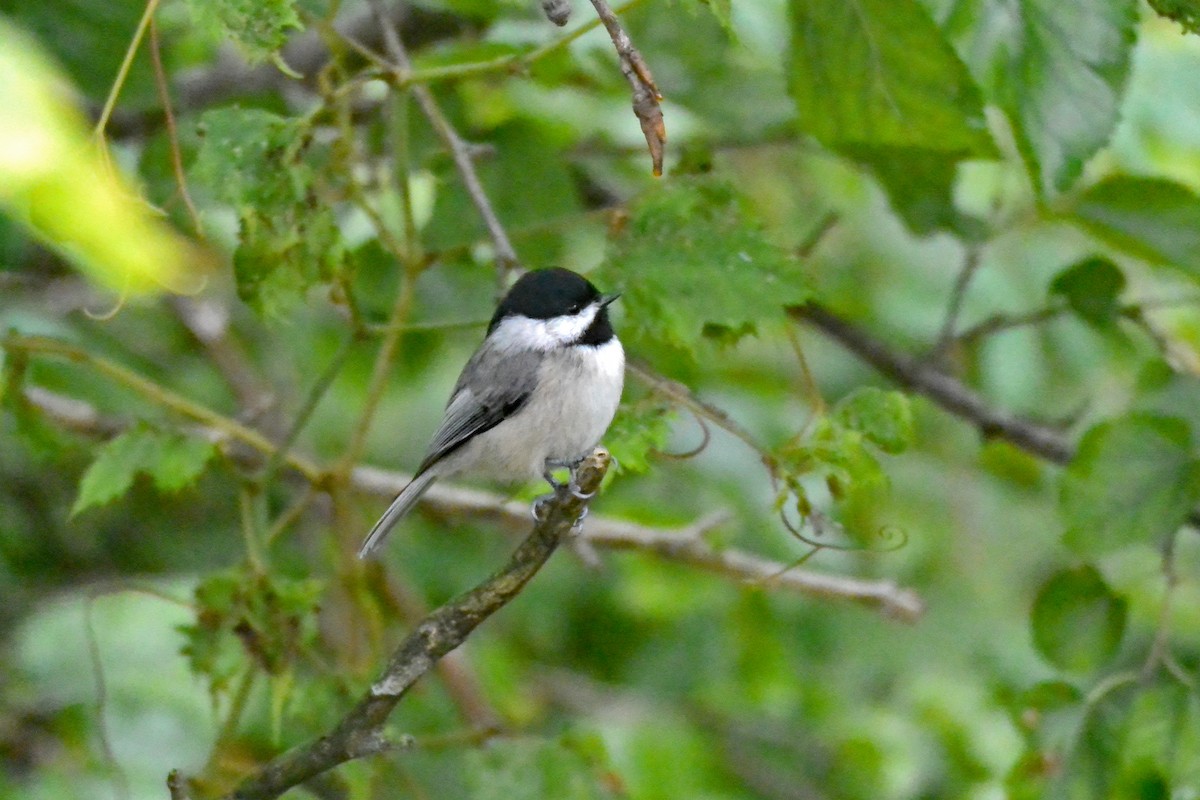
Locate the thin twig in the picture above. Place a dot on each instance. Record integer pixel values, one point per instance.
(506, 256)
(945, 390)
(164, 97)
(360, 732)
(222, 426)
(123, 71)
(646, 97)
(120, 780)
(681, 394)
(958, 294)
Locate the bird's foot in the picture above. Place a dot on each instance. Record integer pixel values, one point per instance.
(577, 528)
(541, 504)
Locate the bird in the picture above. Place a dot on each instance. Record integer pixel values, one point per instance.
(537, 394)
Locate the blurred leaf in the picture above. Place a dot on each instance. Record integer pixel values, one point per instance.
(722, 11)
(1092, 288)
(639, 430)
(1185, 12)
(59, 183)
(1058, 69)
(885, 418)
(528, 768)
(269, 620)
(1160, 719)
(877, 82)
(1093, 765)
(691, 258)
(1152, 218)
(1077, 621)
(256, 162)
(1133, 479)
(260, 27)
(171, 460)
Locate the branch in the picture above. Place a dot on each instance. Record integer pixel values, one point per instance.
(683, 545)
(686, 547)
(646, 97)
(943, 389)
(506, 256)
(360, 732)
(230, 76)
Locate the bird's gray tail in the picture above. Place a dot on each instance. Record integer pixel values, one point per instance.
(403, 503)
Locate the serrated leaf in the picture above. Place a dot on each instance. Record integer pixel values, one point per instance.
(1133, 479)
(1092, 289)
(691, 259)
(289, 240)
(885, 418)
(1058, 69)
(1077, 621)
(180, 461)
(876, 81)
(116, 465)
(639, 430)
(1151, 218)
(1185, 12)
(171, 460)
(260, 27)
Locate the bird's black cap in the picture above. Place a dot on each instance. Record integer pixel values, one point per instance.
(548, 293)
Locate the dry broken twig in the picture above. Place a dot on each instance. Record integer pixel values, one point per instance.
(646, 97)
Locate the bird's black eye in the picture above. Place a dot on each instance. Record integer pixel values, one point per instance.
(575, 308)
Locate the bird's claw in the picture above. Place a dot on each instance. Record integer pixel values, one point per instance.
(539, 506)
(577, 528)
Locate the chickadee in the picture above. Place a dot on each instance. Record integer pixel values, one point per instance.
(537, 395)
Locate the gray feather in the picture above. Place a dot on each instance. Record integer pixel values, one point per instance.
(493, 386)
(403, 503)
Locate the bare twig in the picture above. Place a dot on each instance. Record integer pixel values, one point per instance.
(506, 256)
(687, 547)
(954, 307)
(646, 97)
(361, 732)
(945, 390)
(164, 97)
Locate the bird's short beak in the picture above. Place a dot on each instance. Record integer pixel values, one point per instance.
(609, 299)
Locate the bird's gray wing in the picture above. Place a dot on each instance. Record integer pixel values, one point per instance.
(493, 386)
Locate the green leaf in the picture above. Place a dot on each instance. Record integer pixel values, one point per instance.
(876, 81)
(1077, 621)
(1058, 69)
(1154, 219)
(1093, 765)
(1185, 12)
(260, 27)
(1134, 479)
(885, 418)
(258, 162)
(1092, 288)
(638, 431)
(115, 467)
(171, 460)
(693, 262)
(180, 461)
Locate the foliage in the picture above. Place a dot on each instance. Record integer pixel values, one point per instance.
(999, 197)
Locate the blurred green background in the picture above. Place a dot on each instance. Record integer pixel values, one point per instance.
(140, 636)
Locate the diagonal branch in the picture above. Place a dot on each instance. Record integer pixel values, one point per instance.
(506, 256)
(360, 732)
(945, 390)
(646, 97)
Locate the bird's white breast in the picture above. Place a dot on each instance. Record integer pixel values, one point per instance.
(576, 397)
